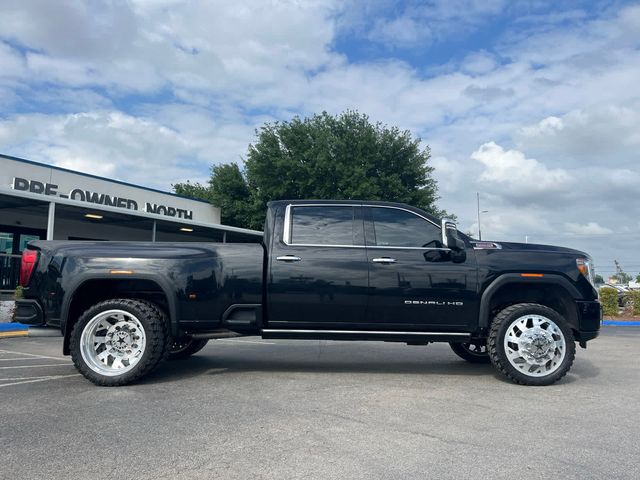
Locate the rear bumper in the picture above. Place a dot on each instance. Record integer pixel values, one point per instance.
(589, 320)
(28, 312)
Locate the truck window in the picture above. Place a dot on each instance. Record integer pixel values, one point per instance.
(399, 228)
(322, 225)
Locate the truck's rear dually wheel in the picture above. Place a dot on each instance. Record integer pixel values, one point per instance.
(185, 347)
(474, 351)
(117, 341)
(531, 344)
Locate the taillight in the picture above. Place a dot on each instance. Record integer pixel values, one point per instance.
(27, 263)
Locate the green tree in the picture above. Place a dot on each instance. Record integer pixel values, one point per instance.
(638, 278)
(226, 189)
(598, 279)
(339, 157)
(193, 190)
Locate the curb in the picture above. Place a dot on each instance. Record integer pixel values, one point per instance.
(11, 330)
(620, 323)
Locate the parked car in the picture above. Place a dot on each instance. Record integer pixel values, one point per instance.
(624, 300)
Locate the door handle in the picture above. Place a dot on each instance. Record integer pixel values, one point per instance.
(384, 260)
(288, 258)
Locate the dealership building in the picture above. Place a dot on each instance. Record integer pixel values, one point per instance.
(39, 201)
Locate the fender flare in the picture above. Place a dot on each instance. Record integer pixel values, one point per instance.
(507, 278)
(78, 282)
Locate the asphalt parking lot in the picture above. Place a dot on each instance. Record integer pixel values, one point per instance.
(248, 408)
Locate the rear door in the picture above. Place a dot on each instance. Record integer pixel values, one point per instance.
(318, 270)
(412, 278)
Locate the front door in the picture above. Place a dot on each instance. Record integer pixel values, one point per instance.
(318, 271)
(413, 280)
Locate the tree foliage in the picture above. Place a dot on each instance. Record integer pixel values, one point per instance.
(340, 157)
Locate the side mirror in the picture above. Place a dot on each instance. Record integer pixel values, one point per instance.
(450, 236)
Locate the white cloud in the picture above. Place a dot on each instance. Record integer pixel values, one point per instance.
(141, 150)
(590, 228)
(518, 175)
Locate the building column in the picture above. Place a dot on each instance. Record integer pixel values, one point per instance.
(51, 220)
(153, 232)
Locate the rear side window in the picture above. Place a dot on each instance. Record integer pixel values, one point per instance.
(322, 225)
(399, 228)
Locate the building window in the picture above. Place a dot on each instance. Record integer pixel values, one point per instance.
(6, 243)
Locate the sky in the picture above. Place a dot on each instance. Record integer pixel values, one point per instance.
(533, 104)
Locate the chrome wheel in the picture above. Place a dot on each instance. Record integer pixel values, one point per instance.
(535, 345)
(112, 342)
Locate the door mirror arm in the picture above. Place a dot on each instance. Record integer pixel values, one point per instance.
(450, 237)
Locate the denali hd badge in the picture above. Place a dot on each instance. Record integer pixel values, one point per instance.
(434, 302)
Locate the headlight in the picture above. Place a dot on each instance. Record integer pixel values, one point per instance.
(585, 267)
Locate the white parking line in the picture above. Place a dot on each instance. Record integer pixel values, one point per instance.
(33, 366)
(31, 355)
(8, 379)
(13, 359)
(55, 377)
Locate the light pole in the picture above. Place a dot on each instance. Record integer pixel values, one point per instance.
(479, 212)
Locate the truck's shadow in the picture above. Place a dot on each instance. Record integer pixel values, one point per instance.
(203, 365)
(207, 365)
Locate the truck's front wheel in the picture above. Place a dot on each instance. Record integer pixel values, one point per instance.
(117, 341)
(531, 344)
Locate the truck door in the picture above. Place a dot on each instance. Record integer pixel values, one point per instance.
(413, 280)
(318, 270)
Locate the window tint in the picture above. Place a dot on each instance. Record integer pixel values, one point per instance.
(323, 225)
(399, 228)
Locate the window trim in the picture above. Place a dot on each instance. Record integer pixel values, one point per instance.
(288, 213)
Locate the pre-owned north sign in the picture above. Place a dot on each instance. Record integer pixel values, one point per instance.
(89, 196)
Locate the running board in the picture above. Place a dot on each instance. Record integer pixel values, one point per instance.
(366, 335)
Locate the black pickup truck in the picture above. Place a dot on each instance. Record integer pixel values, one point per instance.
(331, 270)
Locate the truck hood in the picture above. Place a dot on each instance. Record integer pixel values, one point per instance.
(526, 247)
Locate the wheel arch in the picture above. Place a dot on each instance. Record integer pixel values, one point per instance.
(91, 289)
(553, 291)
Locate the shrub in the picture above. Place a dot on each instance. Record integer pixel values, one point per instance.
(635, 299)
(609, 300)
(19, 293)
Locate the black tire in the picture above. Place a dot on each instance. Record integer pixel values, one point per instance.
(505, 320)
(185, 347)
(154, 323)
(473, 352)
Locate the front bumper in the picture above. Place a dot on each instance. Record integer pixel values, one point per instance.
(589, 320)
(28, 312)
